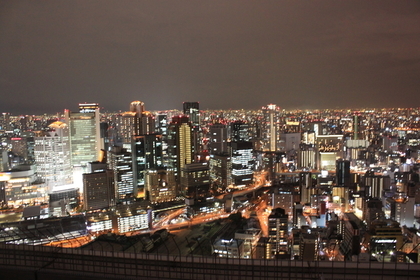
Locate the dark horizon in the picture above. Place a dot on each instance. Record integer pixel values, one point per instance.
(224, 54)
(105, 110)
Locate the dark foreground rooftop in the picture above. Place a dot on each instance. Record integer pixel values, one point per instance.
(40, 263)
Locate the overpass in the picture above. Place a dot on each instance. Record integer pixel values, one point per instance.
(44, 263)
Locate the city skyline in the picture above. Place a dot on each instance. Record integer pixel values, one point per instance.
(303, 186)
(224, 54)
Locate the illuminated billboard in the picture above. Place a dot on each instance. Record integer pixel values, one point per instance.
(329, 143)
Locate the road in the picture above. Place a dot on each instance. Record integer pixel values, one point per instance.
(262, 214)
(168, 218)
(259, 181)
(199, 220)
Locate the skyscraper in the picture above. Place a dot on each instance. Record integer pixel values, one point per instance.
(147, 154)
(375, 184)
(241, 153)
(357, 124)
(52, 156)
(343, 173)
(161, 124)
(85, 138)
(278, 232)
(137, 121)
(220, 171)
(192, 110)
(270, 128)
(218, 139)
(23, 147)
(120, 162)
(239, 131)
(161, 128)
(242, 163)
(128, 125)
(98, 190)
(195, 180)
(160, 185)
(180, 144)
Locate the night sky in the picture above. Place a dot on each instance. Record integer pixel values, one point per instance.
(224, 54)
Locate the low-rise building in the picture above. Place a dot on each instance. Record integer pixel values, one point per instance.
(229, 248)
(19, 187)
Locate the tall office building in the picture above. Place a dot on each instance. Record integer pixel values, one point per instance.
(147, 154)
(242, 160)
(192, 110)
(120, 162)
(137, 121)
(350, 228)
(137, 107)
(224, 148)
(195, 180)
(128, 125)
(88, 107)
(85, 138)
(306, 187)
(342, 173)
(375, 184)
(180, 144)
(278, 233)
(282, 197)
(318, 127)
(239, 131)
(357, 127)
(289, 146)
(161, 124)
(220, 171)
(23, 147)
(357, 151)
(52, 156)
(147, 123)
(403, 210)
(218, 139)
(270, 133)
(306, 158)
(98, 190)
(161, 128)
(160, 185)
(105, 133)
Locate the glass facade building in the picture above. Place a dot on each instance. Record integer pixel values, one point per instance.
(85, 138)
